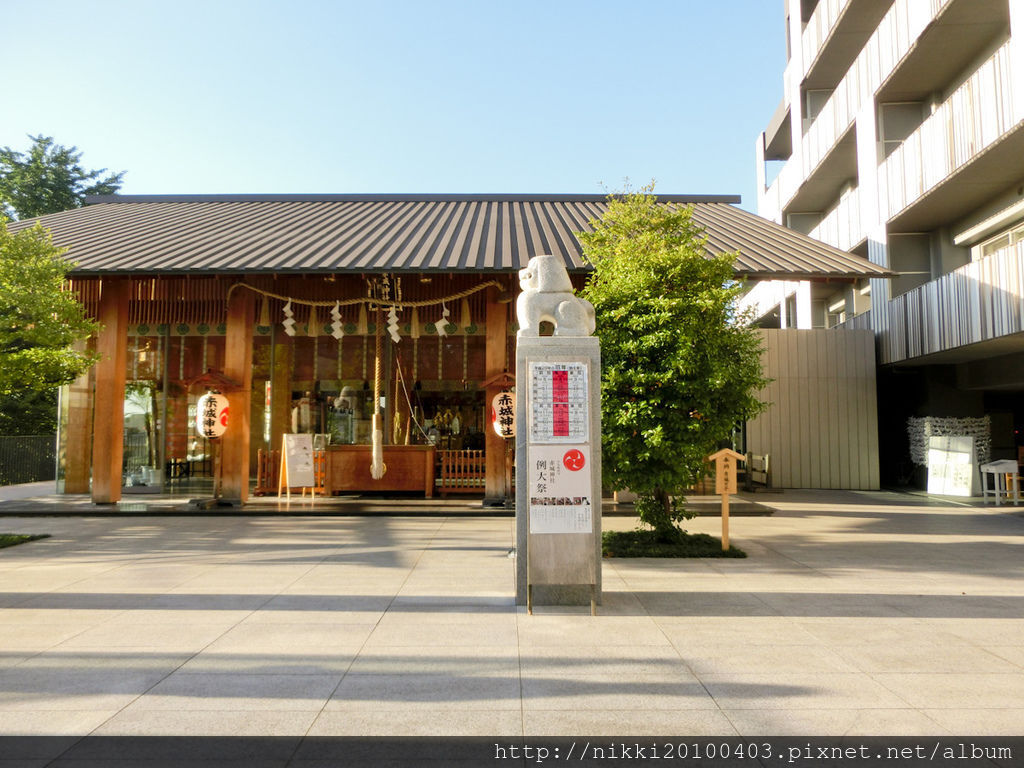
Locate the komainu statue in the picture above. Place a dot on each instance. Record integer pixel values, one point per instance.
(547, 296)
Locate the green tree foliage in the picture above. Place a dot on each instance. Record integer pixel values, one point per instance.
(680, 367)
(28, 412)
(48, 178)
(38, 320)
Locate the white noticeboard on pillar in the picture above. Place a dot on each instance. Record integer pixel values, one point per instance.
(559, 404)
(559, 458)
(560, 490)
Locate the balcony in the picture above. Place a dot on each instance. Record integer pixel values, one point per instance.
(819, 27)
(890, 43)
(834, 35)
(973, 311)
(841, 226)
(914, 191)
(783, 188)
(962, 34)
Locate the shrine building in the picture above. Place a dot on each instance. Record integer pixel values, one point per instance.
(302, 309)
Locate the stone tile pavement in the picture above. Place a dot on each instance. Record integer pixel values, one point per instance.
(855, 613)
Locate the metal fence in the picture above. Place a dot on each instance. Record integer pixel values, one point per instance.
(27, 458)
(136, 452)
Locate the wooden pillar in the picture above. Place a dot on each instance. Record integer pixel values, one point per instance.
(108, 402)
(494, 356)
(281, 389)
(76, 430)
(238, 367)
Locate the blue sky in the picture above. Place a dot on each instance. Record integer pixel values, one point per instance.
(432, 96)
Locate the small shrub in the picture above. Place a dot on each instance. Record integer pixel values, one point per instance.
(646, 543)
(11, 539)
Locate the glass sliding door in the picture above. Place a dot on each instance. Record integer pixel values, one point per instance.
(143, 467)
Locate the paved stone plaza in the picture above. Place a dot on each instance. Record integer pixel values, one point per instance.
(856, 613)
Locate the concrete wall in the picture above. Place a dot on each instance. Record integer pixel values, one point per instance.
(821, 429)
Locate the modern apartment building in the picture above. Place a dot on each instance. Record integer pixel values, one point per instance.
(900, 137)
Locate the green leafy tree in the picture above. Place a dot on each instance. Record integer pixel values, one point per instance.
(680, 367)
(39, 321)
(48, 178)
(28, 412)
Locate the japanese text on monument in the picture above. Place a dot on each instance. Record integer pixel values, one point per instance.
(559, 403)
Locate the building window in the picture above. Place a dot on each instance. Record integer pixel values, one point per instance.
(803, 222)
(910, 256)
(896, 122)
(1003, 240)
(861, 297)
(814, 101)
(789, 314)
(836, 313)
(807, 10)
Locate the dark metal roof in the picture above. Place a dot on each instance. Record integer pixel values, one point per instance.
(396, 233)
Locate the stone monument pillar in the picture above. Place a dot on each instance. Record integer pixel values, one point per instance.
(558, 442)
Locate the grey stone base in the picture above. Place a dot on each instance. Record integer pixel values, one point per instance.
(561, 594)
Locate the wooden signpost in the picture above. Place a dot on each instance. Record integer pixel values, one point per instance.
(725, 484)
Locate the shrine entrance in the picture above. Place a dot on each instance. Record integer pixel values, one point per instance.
(325, 353)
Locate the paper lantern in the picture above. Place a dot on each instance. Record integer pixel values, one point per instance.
(503, 414)
(212, 415)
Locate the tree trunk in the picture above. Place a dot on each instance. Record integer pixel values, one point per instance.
(664, 526)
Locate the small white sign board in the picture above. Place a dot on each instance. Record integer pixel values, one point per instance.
(297, 461)
(952, 466)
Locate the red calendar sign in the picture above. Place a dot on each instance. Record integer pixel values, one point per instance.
(559, 403)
